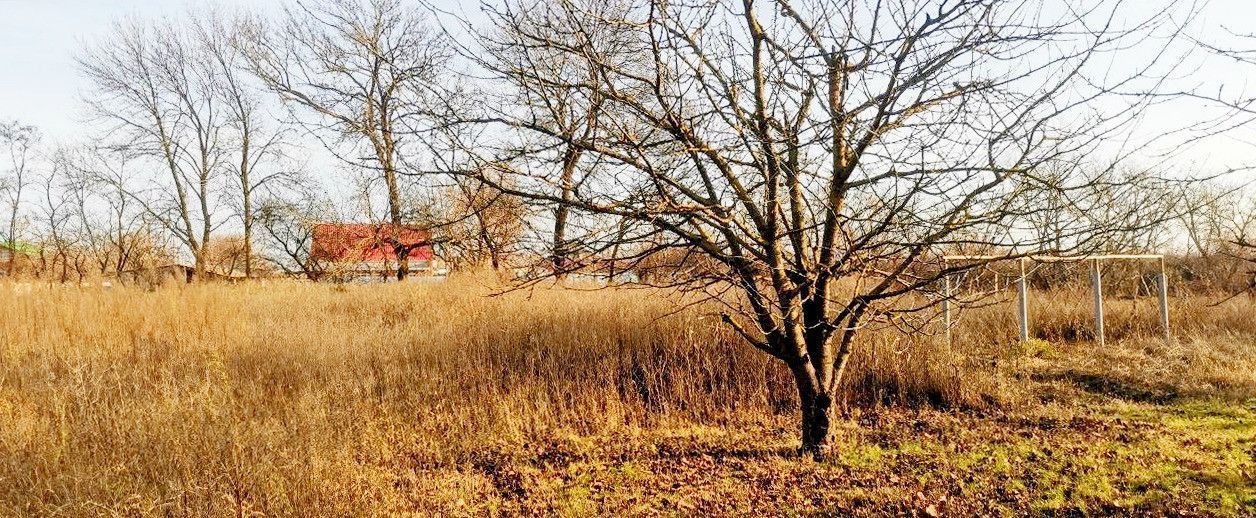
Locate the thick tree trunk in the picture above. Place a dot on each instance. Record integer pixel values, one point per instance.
(817, 414)
(394, 213)
(198, 269)
(570, 159)
(403, 262)
(559, 257)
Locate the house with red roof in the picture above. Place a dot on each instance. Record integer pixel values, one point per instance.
(361, 251)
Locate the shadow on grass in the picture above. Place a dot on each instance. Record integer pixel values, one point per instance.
(1096, 383)
(1146, 391)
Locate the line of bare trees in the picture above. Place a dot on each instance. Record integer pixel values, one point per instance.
(193, 144)
(804, 164)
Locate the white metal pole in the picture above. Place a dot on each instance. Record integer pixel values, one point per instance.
(1096, 281)
(1164, 304)
(1023, 303)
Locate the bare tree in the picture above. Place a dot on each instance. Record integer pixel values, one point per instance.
(364, 71)
(287, 222)
(60, 237)
(477, 225)
(1121, 202)
(1207, 208)
(154, 90)
(1239, 233)
(19, 143)
(822, 155)
(255, 144)
(575, 113)
(116, 228)
(96, 228)
(1239, 212)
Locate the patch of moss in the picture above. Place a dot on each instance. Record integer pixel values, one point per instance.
(866, 456)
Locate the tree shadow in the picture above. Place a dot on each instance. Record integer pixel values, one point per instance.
(1145, 391)
(1097, 383)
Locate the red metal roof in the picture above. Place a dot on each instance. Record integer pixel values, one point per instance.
(369, 242)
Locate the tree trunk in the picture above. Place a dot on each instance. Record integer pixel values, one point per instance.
(817, 414)
(248, 237)
(494, 258)
(403, 262)
(570, 159)
(394, 213)
(198, 269)
(247, 192)
(559, 257)
(12, 244)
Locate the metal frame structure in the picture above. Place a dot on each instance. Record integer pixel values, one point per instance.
(1096, 282)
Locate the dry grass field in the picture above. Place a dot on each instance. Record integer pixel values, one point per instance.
(289, 399)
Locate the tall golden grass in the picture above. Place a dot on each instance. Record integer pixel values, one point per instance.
(293, 398)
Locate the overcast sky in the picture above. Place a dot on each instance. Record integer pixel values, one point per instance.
(40, 84)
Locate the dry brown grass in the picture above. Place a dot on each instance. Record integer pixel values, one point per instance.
(1213, 353)
(288, 398)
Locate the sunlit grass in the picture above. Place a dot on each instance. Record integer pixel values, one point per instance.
(293, 398)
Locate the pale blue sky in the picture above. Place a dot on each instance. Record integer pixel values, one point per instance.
(39, 83)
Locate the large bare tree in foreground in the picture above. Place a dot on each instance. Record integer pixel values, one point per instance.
(820, 155)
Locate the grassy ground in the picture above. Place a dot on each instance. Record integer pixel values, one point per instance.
(293, 399)
(1117, 458)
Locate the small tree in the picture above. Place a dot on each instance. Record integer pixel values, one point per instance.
(18, 141)
(1240, 230)
(477, 225)
(287, 224)
(61, 247)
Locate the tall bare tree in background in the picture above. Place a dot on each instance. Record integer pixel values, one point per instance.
(154, 90)
(119, 233)
(577, 114)
(365, 71)
(256, 138)
(18, 141)
(821, 155)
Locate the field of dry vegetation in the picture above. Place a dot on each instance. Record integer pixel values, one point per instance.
(301, 399)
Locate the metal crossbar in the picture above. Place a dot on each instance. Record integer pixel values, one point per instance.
(1096, 281)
